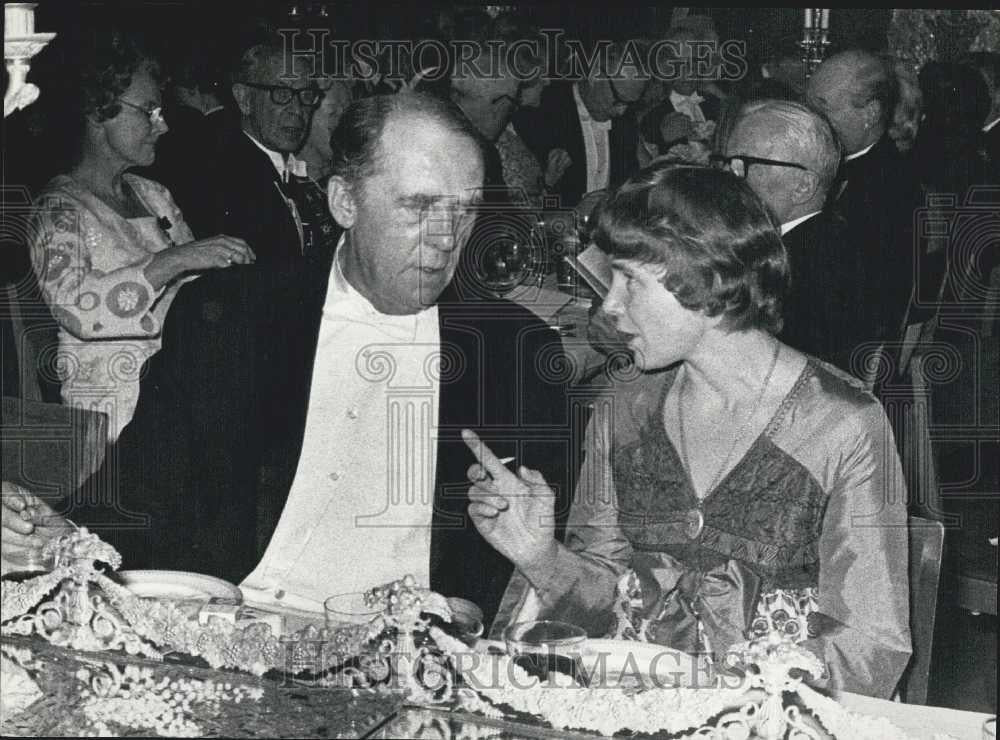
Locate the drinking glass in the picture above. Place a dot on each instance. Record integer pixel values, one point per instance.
(350, 609)
(545, 647)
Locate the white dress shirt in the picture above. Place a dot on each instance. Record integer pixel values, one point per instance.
(785, 228)
(595, 142)
(860, 153)
(359, 511)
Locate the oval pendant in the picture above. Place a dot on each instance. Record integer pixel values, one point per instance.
(694, 523)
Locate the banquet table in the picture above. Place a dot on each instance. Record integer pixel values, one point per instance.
(567, 312)
(921, 723)
(347, 713)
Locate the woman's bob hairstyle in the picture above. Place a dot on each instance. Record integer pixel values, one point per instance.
(717, 243)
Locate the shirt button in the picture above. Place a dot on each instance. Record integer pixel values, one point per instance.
(279, 594)
(352, 413)
(335, 477)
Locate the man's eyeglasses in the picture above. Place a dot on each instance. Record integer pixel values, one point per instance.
(282, 95)
(618, 99)
(514, 101)
(739, 164)
(155, 114)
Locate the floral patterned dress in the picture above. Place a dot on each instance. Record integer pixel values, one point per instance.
(806, 534)
(89, 262)
(521, 169)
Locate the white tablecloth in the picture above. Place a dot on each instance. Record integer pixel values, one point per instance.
(564, 311)
(918, 721)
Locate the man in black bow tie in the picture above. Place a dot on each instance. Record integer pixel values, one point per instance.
(336, 461)
(878, 192)
(789, 155)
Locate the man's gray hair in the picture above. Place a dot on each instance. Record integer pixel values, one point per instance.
(356, 143)
(806, 129)
(253, 63)
(873, 78)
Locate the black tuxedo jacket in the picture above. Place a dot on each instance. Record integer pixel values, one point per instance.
(188, 161)
(225, 184)
(205, 466)
(879, 195)
(825, 308)
(555, 124)
(990, 141)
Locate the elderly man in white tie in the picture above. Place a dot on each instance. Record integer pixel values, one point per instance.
(683, 123)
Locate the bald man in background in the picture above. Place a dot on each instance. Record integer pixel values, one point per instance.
(878, 192)
(823, 312)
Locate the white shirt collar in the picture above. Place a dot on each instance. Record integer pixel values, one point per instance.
(989, 126)
(861, 153)
(585, 117)
(676, 98)
(344, 300)
(785, 228)
(283, 163)
(212, 110)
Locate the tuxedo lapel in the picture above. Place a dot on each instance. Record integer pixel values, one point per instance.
(556, 125)
(622, 142)
(286, 358)
(255, 207)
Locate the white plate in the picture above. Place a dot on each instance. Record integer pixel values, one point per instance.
(176, 584)
(622, 662)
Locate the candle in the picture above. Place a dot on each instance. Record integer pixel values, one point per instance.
(809, 18)
(825, 20)
(19, 19)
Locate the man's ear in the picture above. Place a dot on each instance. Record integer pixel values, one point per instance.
(241, 94)
(806, 186)
(873, 114)
(340, 201)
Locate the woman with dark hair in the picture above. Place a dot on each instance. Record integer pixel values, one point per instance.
(734, 486)
(109, 247)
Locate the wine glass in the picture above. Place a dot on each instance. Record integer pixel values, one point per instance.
(506, 251)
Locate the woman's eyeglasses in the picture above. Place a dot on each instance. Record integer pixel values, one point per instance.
(310, 97)
(155, 114)
(739, 164)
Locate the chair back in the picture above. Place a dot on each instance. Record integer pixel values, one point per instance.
(926, 547)
(51, 449)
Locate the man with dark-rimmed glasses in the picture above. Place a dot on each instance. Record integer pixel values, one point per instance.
(592, 120)
(789, 155)
(245, 182)
(247, 187)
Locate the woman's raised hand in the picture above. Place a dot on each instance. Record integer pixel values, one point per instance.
(215, 252)
(513, 512)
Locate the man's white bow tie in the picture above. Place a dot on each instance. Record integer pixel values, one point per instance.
(688, 105)
(296, 166)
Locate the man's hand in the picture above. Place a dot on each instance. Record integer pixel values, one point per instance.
(555, 167)
(26, 524)
(676, 126)
(512, 512)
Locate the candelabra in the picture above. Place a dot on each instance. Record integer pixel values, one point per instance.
(20, 44)
(308, 11)
(815, 29)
